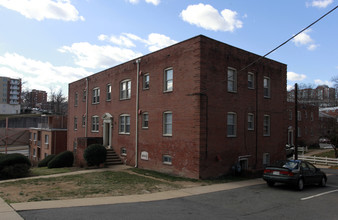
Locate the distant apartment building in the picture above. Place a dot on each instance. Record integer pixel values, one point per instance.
(10, 93)
(49, 137)
(191, 109)
(322, 96)
(38, 99)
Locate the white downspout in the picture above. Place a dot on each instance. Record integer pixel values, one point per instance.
(138, 61)
(86, 116)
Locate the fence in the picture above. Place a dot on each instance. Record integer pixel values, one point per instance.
(319, 160)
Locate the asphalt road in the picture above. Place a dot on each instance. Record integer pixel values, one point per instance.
(254, 202)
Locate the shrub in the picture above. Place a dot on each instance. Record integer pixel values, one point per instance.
(64, 159)
(95, 154)
(44, 162)
(14, 166)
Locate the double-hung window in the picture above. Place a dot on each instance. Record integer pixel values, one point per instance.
(76, 99)
(95, 123)
(96, 95)
(146, 81)
(75, 123)
(251, 80)
(251, 124)
(125, 89)
(108, 92)
(266, 125)
(266, 87)
(124, 124)
(232, 80)
(145, 119)
(168, 80)
(231, 124)
(167, 123)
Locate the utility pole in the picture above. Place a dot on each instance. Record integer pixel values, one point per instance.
(296, 121)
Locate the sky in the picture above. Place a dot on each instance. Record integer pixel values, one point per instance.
(51, 43)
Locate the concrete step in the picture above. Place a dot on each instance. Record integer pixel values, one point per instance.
(112, 158)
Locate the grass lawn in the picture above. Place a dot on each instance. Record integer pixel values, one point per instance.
(43, 171)
(329, 154)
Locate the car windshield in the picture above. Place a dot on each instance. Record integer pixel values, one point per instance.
(289, 164)
(292, 165)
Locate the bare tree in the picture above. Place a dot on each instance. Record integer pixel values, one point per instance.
(58, 102)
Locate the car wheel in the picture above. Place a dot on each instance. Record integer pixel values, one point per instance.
(300, 184)
(323, 182)
(270, 183)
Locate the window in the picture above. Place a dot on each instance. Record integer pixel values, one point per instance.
(108, 98)
(167, 124)
(251, 123)
(299, 115)
(231, 124)
(266, 125)
(84, 95)
(266, 87)
(46, 139)
(83, 121)
(145, 118)
(75, 123)
(95, 123)
(146, 81)
(166, 159)
(299, 132)
(125, 89)
(34, 136)
(76, 99)
(311, 116)
(124, 123)
(123, 151)
(96, 95)
(290, 115)
(168, 80)
(251, 81)
(232, 80)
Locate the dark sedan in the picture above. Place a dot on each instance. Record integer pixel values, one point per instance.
(294, 172)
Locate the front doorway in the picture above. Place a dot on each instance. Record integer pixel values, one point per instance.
(107, 130)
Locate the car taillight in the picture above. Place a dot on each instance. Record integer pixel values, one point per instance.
(287, 173)
(267, 171)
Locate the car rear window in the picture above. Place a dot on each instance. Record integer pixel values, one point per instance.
(291, 165)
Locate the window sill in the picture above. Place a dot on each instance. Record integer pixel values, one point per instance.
(167, 135)
(167, 163)
(167, 91)
(121, 99)
(124, 133)
(231, 136)
(94, 131)
(96, 103)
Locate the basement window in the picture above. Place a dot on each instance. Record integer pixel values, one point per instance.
(166, 159)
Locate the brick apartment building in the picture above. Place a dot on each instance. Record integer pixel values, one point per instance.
(308, 124)
(49, 137)
(188, 109)
(38, 99)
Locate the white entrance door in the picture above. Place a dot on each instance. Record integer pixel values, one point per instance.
(107, 130)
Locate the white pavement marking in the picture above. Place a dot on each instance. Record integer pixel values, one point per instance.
(320, 194)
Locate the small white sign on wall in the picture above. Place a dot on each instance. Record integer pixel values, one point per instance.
(144, 155)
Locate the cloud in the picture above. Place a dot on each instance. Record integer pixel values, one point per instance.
(304, 39)
(292, 76)
(154, 41)
(44, 9)
(154, 2)
(319, 3)
(37, 74)
(93, 56)
(326, 82)
(207, 17)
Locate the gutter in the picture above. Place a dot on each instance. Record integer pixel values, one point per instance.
(138, 61)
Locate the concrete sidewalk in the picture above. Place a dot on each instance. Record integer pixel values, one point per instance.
(7, 212)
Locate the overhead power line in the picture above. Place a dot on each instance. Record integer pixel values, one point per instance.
(289, 39)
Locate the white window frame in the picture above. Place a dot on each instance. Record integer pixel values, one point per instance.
(266, 125)
(232, 79)
(251, 121)
(125, 89)
(123, 151)
(83, 121)
(84, 95)
(96, 96)
(267, 87)
(75, 123)
(232, 124)
(108, 92)
(95, 123)
(146, 80)
(145, 120)
(124, 124)
(168, 81)
(251, 80)
(46, 139)
(167, 124)
(167, 159)
(299, 115)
